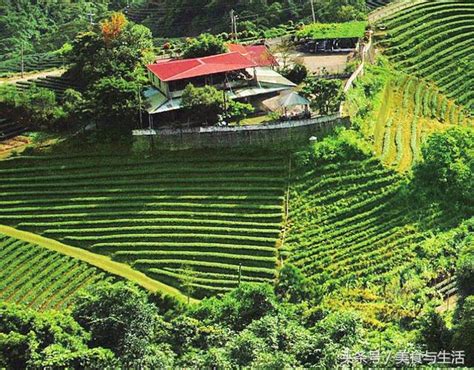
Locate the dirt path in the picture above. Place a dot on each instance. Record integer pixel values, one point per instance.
(100, 261)
(29, 76)
(18, 144)
(448, 304)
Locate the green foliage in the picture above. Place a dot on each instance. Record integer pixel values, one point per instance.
(37, 277)
(442, 55)
(108, 63)
(114, 103)
(239, 111)
(203, 104)
(206, 104)
(325, 95)
(240, 307)
(344, 145)
(35, 107)
(120, 318)
(121, 54)
(54, 339)
(432, 331)
(447, 169)
(204, 45)
(293, 286)
(465, 265)
(44, 26)
(187, 277)
(334, 30)
(463, 337)
(297, 73)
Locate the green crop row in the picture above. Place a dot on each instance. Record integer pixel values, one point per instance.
(200, 265)
(166, 230)
(412, 14)
(123, 223)
(159, 174)
(145, 190)
(35, 276)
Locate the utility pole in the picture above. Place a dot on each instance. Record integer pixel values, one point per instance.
(22, 59)
(232, 22)
(312, 11)
(235, 25)
(91, 15)
(140, 108)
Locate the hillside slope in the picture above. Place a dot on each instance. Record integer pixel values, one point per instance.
(349, 224)
(433, 40)
(210, 213)
(40, 278)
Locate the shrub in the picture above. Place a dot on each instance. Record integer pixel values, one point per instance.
(295, 74)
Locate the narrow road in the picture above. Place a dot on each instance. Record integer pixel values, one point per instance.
(29, 76)
(97, 260)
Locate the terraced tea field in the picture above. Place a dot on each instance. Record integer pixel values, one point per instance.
(373, 4)
(433, 40)
(57, 84)
(40, 278)
(208, 212)
(32, 62)
(410, 111)
(348, 224)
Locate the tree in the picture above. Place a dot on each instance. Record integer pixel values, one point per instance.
(114, 48)
(202, 104)
(239, 307)
(187, 280)
(113, 102)
(293, 286)
(343, 145)
(204, 45)
(297, 73)
(447, 167)
(465, 265)
(29, 339)
(244, 348)
(238, 110)
(432, 331)
(463, 337)
(341, 10)
(35, 107)
(120, 318)
(325, 95)
(112, 28)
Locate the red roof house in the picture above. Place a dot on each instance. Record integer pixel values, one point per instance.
(173, 70)
(259, 54)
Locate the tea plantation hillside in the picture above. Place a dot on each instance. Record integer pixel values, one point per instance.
(349, 223)
(410, 111)
(373, 4)
(433, 40)
(40, 278)
(182, 216)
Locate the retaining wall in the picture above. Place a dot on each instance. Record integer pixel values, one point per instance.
(292, 133)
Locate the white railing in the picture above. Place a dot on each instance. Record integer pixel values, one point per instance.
(216, 129)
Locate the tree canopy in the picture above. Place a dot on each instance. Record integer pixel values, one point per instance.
(204, 45)
(447, 167)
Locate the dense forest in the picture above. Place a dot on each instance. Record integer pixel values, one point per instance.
(45, 26)
(190, 17)
(40, 26)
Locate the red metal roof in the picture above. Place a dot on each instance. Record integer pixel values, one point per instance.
(187, 68)
(259, 54)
